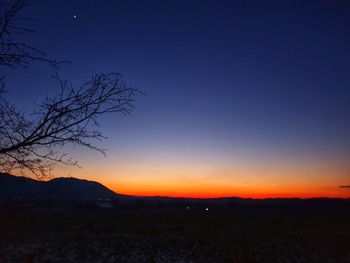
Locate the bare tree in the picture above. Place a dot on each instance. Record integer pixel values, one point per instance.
(14, 53)
(35, 141)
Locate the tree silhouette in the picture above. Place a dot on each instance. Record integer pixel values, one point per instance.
(34, 142)
(14, 53)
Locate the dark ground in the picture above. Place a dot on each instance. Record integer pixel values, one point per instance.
(176, 235)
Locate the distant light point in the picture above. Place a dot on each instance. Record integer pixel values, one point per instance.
(207, 209)
(74, 16)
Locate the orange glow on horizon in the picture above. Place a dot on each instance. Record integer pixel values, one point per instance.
(222, 195)
(201, 182)
(218, 193)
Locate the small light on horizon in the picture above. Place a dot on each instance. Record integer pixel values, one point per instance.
(74, 16)
(207, 209)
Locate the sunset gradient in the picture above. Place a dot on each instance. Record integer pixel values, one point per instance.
(183, 178)
(242, 98)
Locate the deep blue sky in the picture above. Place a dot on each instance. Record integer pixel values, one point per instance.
(231, 81)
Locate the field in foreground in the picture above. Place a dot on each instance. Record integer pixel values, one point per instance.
(175, 235)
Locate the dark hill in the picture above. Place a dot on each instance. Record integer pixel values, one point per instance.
(13, 188)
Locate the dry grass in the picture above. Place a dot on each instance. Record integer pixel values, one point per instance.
(175, 236)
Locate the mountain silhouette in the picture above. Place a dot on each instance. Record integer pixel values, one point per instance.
(14, 188)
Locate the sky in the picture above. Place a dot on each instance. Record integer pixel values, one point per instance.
(244, 98)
